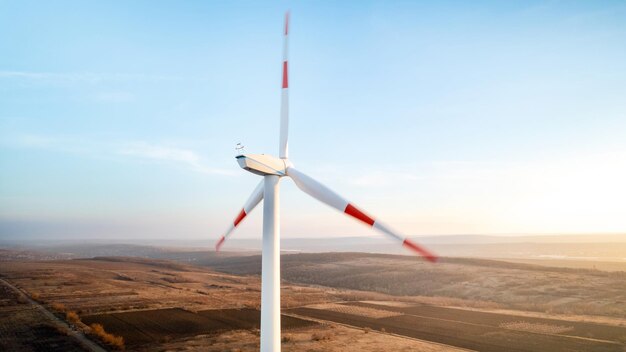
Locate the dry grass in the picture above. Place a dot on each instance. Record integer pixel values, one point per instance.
(342, 339)
(536, 327)
(116, 342)
(58, 307)
(321, 336)
(355, 310)
(146, 290)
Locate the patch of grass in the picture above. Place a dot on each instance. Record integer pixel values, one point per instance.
(58, 307)
(536, 327)
(321, 336)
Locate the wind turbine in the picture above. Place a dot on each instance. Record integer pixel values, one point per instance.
(273, 169)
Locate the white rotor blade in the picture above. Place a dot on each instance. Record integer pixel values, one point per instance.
(325, 195)
(284, 98)
(253, 201)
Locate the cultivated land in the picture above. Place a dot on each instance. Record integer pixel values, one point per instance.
(468, 282)
(331, 302)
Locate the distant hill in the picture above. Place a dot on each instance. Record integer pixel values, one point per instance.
(589, 247)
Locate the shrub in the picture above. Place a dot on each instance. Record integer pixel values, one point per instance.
(286, 338)
(117, 342)
(72, 317)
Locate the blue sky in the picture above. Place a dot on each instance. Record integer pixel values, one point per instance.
(118, 119)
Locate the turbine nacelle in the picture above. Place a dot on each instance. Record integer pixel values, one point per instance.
(263, 164)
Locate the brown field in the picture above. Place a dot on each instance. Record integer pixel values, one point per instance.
(161, 305)
(574, 264)
(574, 328)
(478, 330)
(162, 325)
(331, 302)
(326, 338)
(468, 282)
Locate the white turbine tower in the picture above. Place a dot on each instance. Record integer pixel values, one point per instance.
(272, 169)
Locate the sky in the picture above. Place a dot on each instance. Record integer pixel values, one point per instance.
(119, 119)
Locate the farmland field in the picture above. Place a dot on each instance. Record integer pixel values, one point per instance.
(158, 305)
(479, 282)
(142, 327)
(349, 302)
(476, 330)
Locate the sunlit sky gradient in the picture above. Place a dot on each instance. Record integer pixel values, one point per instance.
(118, 119)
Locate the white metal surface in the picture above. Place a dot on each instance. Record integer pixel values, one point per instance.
(284, 124)
(255, 198)
(270, 270)
(262, 164)
(386, 230)
(283, 148)
(317, 190)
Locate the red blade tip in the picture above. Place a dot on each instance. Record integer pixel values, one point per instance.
(423, 252)
(219, 244)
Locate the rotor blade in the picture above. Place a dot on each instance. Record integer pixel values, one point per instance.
(284, 97)
(253, 201)
(325, 195)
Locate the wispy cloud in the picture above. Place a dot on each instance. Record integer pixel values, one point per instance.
(135, 150)
(170, 154)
